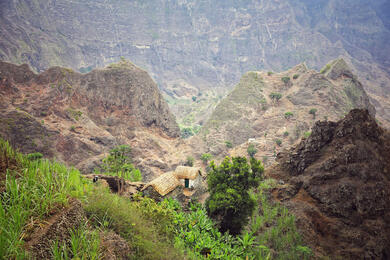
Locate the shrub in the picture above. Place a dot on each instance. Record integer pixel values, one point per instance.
(229, 202)
(34, 156)
(205, 157)
(306, 134)
(269, 73)
(288, 115)
(325, 69)
(295, 76)
(190, 161)
(313, 112)
(275, 96)
(251, 150)
(118, 163)
(194, 98)
(285, 134)
(72, 128)
(278, 142)
(228, 144)
(186, 132)
(286, 80)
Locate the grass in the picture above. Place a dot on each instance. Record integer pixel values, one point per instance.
(32, 188)
(275, 228)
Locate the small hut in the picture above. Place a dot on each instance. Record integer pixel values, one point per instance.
(189, 177)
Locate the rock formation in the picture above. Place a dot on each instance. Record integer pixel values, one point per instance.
(337, 184)
(252, 113)
(79, 117)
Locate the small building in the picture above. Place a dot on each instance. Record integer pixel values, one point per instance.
(183, 177)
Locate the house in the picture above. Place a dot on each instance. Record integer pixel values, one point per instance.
(182, 180)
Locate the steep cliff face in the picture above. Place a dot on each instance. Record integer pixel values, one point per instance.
(254, 111)
(78, 117)
(337, 184)
(187, 45)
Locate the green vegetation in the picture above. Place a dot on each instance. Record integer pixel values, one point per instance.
(285, 134)
(288, 115)
(306, 134)
(30, 192)
(190, 161)
(228, 144)
(295, 76)
(285, 80)
(206, 157)
(76, 114)
(194, 98)
(34, 156)
(33, 188)
(229, 184)
(313, 112)
(275, 96)
(72, 128)
(325, 69)
(118, 163)
(269, 73)
(278, 142)
(251, 150)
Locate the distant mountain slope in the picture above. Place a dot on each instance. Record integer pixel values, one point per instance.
(79, 117)
(191, 46)
(250, 112)
(337, 184)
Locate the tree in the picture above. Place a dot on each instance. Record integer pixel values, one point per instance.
(288, 115)
(118, 163)
(205, 157)
(251, 150)
(230, 204)
(313, 112)
(286, 80)
(275, 96)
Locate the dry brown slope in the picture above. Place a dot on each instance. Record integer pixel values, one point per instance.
(77, 117)
(249, 112)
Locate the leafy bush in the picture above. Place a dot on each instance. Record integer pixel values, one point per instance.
(229, 202)
(228, 144)
(278, 142)
(190, 161)
(186, 132)
(34, 156)
(269, 73)
(286, 80)
(275, 96)
(306, 134)
(295, 76)
(205, 157)
(251, 150)
(194, 98)
(288, 115)
(313, 112)
(325, 69)
(285, 134)
(118, 163)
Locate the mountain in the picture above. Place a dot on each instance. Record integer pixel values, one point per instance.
(252, 112)
(77, 118)
(202, 47)
(337, 183)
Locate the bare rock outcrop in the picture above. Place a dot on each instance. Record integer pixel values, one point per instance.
(338, 186)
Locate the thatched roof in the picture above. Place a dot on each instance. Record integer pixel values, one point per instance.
(186, 172)
(164, 184)
(168, 181)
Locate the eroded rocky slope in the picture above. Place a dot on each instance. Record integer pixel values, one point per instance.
(192, 46)
(77, 117)
(249, 112)
(337, 184)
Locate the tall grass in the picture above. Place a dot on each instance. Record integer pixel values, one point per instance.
(31, 190)
(275, 228)
(146, 239)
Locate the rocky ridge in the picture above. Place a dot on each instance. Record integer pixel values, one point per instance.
(77, 117)
(187, 47)
(249, 115)
(337, 182)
